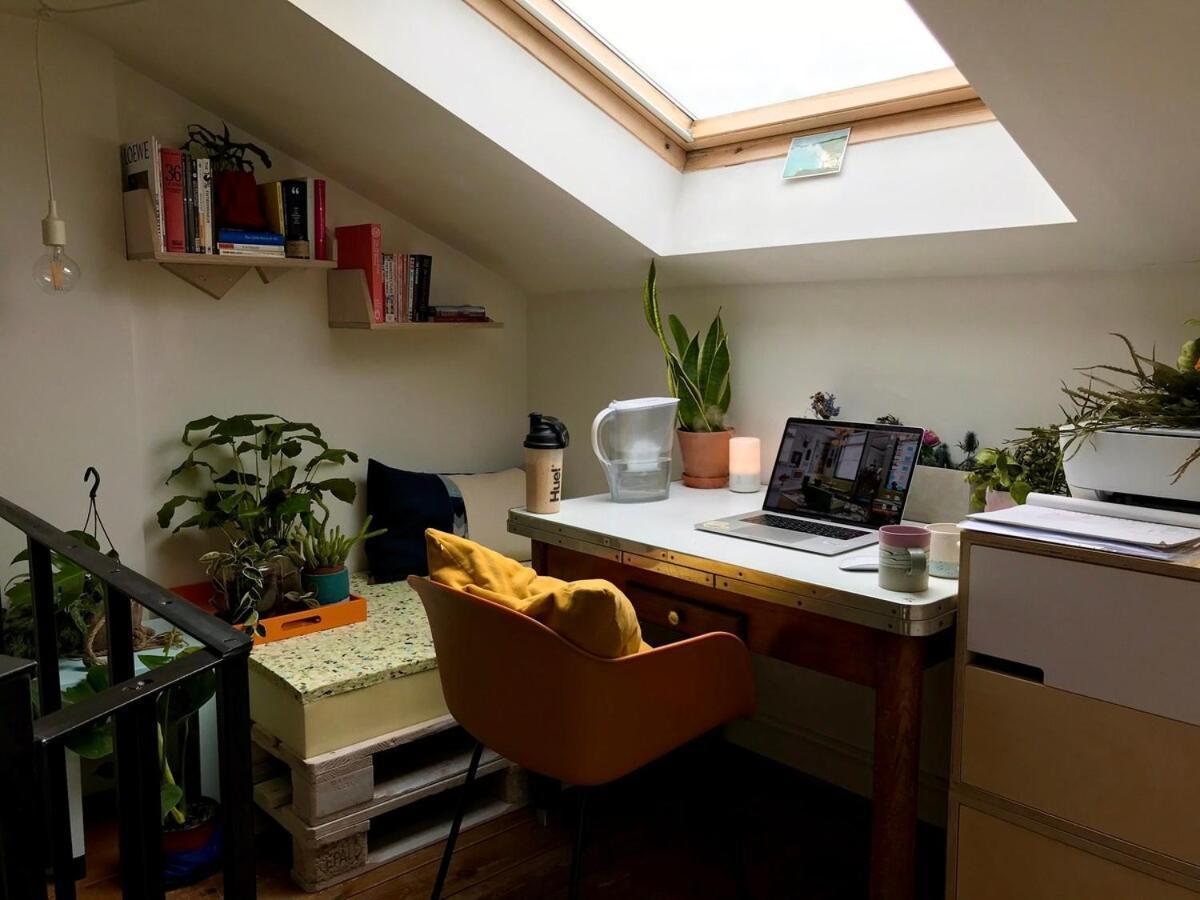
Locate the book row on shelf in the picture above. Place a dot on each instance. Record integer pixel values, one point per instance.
(398, 283)
(193, 209)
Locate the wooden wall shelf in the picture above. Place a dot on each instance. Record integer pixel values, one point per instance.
(214, 275)
(350, 307)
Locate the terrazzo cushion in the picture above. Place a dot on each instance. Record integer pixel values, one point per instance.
(407, 503)
(594, 614)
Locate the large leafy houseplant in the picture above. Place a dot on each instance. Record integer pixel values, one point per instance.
(252, 479)
(1163, 395)
(697, 370)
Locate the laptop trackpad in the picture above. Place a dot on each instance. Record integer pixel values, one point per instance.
(773, 535)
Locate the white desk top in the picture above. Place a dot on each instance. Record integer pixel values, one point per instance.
(666, 530)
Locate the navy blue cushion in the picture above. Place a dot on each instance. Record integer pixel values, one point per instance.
(406, 503)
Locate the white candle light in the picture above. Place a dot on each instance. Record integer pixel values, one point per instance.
(745, 474)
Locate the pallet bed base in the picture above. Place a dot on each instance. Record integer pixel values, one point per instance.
(359, 807)
(359, 854)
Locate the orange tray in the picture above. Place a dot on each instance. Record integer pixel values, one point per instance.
(277, 628)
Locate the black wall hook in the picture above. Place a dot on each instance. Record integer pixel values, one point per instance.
(91, 474)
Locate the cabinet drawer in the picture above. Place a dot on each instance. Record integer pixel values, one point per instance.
(681, 615)
(1114, 634)
(1118, 771)
(1001, 861)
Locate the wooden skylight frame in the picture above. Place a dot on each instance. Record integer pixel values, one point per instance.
(917, 103)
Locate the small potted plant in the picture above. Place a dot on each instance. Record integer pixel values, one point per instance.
(698, 375)
(1005, 476)
(235, 192)
(324, 552)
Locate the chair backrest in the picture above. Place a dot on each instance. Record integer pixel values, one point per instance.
(509, 680)
(556, 710)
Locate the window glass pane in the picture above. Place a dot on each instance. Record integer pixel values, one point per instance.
(721, 56)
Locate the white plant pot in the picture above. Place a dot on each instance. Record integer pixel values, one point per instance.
(937, 495)
(1141, 462)
(998, 500)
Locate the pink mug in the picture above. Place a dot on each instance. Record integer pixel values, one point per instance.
(904, 558)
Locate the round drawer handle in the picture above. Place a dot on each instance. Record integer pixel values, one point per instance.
(674, 617)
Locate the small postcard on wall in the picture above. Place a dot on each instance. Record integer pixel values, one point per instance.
(816, 154)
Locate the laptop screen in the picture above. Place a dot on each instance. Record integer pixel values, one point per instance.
(844, 472)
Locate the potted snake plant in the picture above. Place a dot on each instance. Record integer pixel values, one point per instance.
(325, 551)
(698, 375)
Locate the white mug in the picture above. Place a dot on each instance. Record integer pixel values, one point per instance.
(946, 540)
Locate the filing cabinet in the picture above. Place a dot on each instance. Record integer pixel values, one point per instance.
(1075, 768)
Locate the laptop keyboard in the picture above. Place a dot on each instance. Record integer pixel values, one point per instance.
(818, 528)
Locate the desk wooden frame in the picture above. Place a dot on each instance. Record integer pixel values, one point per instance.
(850, 637)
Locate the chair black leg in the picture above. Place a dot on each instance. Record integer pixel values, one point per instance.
(577, 850)
(464, 795)
(733, 838)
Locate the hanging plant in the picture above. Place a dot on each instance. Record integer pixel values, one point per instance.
(79, 596)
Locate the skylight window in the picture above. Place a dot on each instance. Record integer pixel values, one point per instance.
(714, 57)
(709, 83)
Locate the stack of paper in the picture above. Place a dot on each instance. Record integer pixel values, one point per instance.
(1113, 527)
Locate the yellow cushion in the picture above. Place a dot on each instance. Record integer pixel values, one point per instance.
(594, 615)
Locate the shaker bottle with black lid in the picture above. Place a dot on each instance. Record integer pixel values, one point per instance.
(544, 447)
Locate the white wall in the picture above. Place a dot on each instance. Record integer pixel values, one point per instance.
(109, 374)
(66, 363)
(952, 354)
(986, 354)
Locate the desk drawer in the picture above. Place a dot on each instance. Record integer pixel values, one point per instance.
(686, 617)
(1118, 771)
(1001, 861)
(1106, 632)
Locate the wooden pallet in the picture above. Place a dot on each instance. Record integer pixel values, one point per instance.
(358, 807)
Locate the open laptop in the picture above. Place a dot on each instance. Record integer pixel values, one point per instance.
(834, 484)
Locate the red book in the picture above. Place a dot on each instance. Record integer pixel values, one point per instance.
(402, 285)
(319, 250)
(175, 240)
(359, 247)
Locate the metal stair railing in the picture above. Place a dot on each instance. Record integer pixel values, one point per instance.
(33, 778)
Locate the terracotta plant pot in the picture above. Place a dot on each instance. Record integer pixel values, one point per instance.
(705, 458)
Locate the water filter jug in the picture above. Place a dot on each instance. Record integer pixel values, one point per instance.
(633, 440)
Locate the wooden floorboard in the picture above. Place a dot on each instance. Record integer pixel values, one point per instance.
(663, 833)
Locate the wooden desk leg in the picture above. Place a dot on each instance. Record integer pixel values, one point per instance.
(901, 666)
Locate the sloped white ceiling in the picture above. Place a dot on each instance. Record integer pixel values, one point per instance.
(1097, 95)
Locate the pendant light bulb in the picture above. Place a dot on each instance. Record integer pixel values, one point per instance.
(55, 272)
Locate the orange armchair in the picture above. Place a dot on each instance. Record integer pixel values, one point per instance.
(556, 710)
